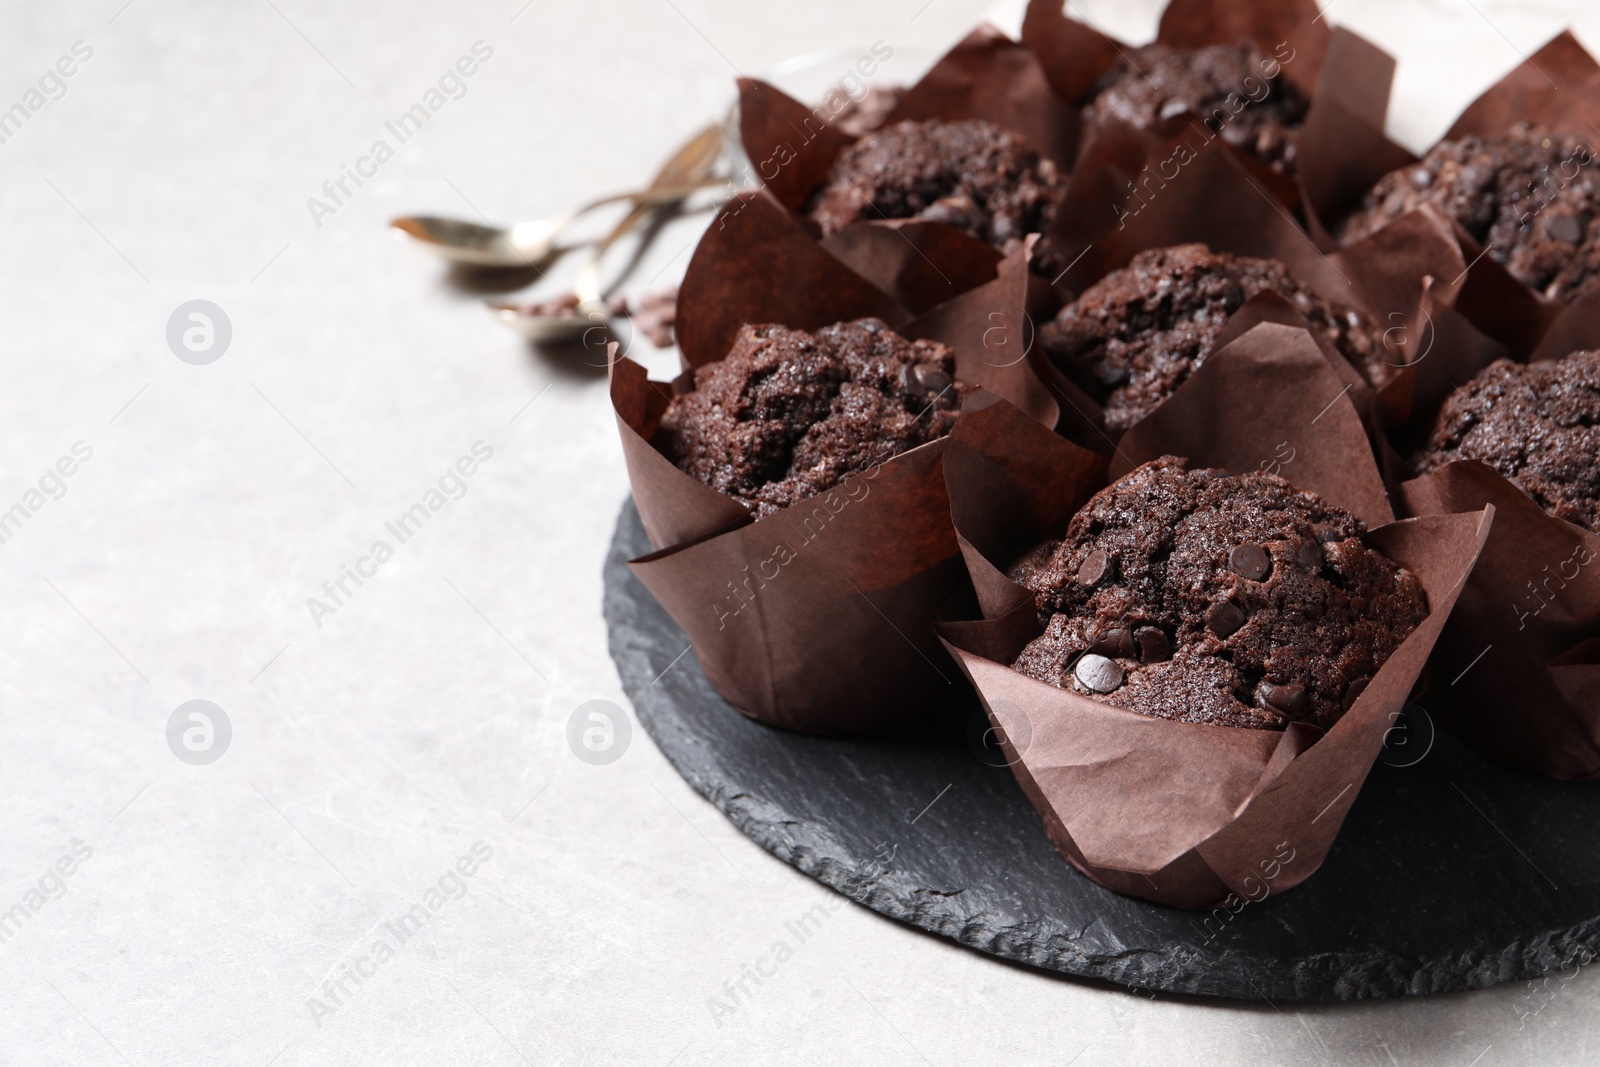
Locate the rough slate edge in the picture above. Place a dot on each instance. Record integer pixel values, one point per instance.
(1174, 968)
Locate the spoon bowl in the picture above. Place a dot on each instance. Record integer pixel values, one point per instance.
(532, 243)
(527, 244)
(584, 308)
(548, 329)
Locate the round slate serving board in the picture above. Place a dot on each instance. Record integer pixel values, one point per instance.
(1451, 873)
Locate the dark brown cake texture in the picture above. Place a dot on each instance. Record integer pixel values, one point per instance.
(1536, 423)
(1236, 91)
(1529, 196)
(1204, 597)
(1137, 334)
(971, 174)
(789, 414)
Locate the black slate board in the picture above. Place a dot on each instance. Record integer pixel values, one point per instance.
(1452, 873)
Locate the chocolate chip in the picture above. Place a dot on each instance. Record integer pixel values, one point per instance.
(1117, 641)
(1289, 699)
(933, 379)
(1326, 533)
(1566, 228)
(1224, 618)
(1354, 690)
(1153, 644)
(1250, 562)
(1172, 108)
(925, 378)
(1310, 555)
(1098, 674)
(1096, 568)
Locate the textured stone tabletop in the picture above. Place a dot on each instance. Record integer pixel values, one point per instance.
(398, 855)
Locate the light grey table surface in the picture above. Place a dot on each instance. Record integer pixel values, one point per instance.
(427, 714)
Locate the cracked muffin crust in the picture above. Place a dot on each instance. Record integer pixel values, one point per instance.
(789, 414)
(1530, 197)
(1138, 333)
(971, 174)
(1236, 91)
(1536, 423)
(1204, 597)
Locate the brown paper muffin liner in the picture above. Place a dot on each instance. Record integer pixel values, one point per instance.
(1180, 813)
(791, 146)
(1342, 148)
(1036, 88)
(819, 618)
(1494, 302)
(756, 263)
(1519, 662)
(1401, 276)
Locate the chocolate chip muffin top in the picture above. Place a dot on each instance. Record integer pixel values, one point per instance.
(1236, 90)
(972, 174)
(1530, 197)
(1233, 600)
(789, 414)
(1536, 423)
(1136, 335)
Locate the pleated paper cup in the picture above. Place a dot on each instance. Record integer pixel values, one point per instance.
(1407, 278)
(1519, 661)
(1341, 148)
(1492, 301)
(791, 145)
(819, 617)
(1180, 813)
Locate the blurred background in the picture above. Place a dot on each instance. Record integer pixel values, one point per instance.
(407, 743)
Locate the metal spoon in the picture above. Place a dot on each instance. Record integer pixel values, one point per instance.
(572, 315)
(689, 166)
(526, 244)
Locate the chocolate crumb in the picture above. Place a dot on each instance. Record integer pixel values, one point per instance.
(656, 315)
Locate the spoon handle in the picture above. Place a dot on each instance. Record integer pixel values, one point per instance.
(587, 282)
(653, 195)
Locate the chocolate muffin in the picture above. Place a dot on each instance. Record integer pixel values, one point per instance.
(1536, 423)
(789, 414)
(1136, 335)
(1236, 90)
(1530, 197)
(972, 174)
(1232, 600)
